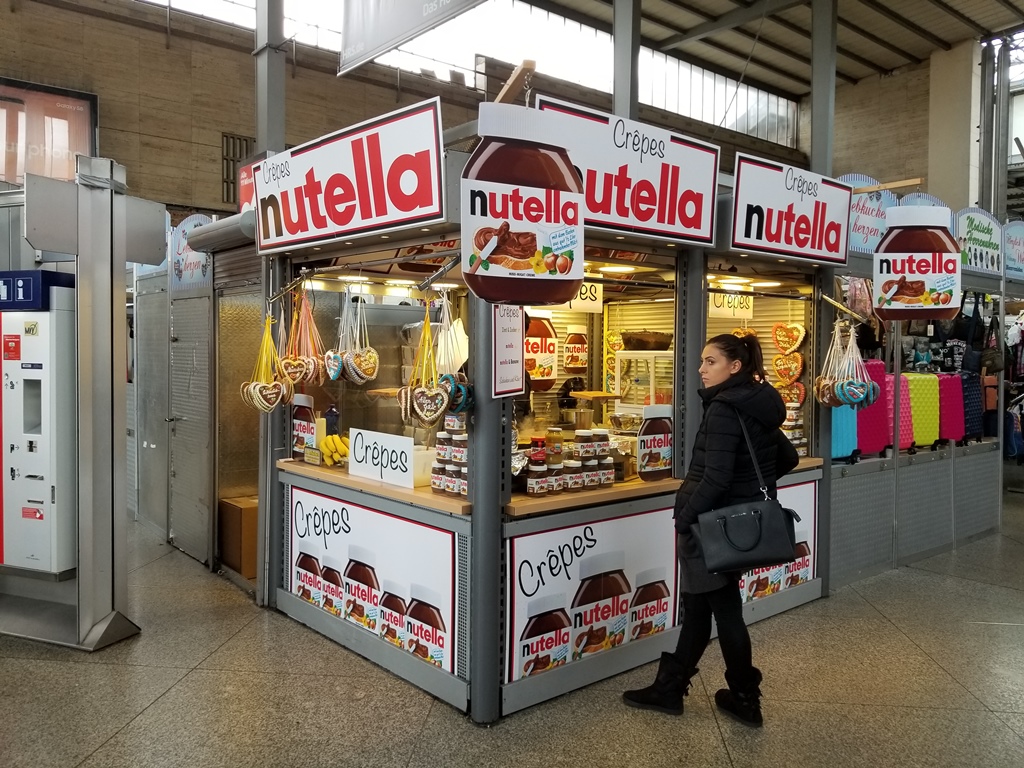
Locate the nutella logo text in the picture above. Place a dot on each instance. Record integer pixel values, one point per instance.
(621, 195)
(786, 227)
(309, 579)
(545, 643)
(911, 264)
(395, 619)
(320, 522)
(333, 591)
(578, 351)
(600, 612)
(654, 442)
(426, 633)
(649, 610)
(535, 345)
(362, 593)
(552, 208)
(532, 576)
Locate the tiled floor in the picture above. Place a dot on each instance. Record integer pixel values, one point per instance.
(923, 666)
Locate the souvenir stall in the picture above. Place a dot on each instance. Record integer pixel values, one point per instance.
(916, 473)
(475, 372)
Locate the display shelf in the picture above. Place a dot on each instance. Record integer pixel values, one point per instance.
(420, 497)
(594, 395)
(523, 505)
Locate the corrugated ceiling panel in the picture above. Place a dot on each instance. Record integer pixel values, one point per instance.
(673, 13)
(862, 16)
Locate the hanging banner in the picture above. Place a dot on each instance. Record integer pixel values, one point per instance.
(1013, 249)
(980, 237)
(781, 210)
(867, 212)
(733, 305)
(189, 269)
(639, 178)
(379, 176)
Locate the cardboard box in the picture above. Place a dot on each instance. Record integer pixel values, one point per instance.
(236, 526)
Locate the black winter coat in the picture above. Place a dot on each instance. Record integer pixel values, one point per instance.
(721, 470)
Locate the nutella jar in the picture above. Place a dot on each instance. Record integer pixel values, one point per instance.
(443, 447)
(362, 590)
(606, 471)
(600, 609)
(649, 610)
(454, 423)
(799, 571)
(303, 426)
(654, 444)
(538, 450)
(306, 579)
(572, 476)
(426, 637)
(437, 476)
(544, 643)
(585, 444)
(464, 482)
(537, 480)
(553, 446)
(591, 474)
(333, 587)
(522, 212)
(452, 474)
(540, 353)
(575, 350)
(917, 265)
(392, 610)
(460, 449)
(556, 481)
(602, 443)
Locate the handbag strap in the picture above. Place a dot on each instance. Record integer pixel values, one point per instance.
(753, 456)
(973, 325)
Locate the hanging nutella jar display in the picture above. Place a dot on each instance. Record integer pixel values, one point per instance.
(540, 353)
(575, 354)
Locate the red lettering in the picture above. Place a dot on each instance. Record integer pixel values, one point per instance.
(339, 199)
(422, 195)
(645, 197)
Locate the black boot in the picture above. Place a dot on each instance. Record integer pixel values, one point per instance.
(666, 693)
(742, 699)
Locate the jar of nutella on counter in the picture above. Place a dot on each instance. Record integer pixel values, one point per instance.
(572, 476)
(454, 423)
(392, 614)
(362, 590)
(649, 611)
(654, 444)
(307, 582)
(334, 587)
(600, 609)
(556, 480)
(537, 480)
(602, 443)
(303, 426)
(437, 477)
(584, 444)
(591, 474)
(553, 446)
(460, 448)
(544, 643)
(452, 473)
(606, 470)
(426, 636)
(443, 447)
(464, 483)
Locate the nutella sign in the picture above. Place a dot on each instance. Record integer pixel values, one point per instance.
(382, 175)
(639, 178)
(785, 211)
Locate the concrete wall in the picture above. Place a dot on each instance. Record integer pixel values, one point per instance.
(954, 115)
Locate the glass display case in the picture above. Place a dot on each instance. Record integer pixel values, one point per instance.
(644, 378)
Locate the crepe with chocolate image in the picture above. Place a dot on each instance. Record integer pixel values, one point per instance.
(512, 251)
(907, 291)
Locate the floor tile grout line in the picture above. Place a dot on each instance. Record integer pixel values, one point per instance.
(1012, 730)
(229, 638)
(97, 664)
(413, 757)
(150, 562)
(965, 578)
(718, 720)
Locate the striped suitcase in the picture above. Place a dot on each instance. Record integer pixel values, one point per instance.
(873, 432)
(924, 407)
(973, 408)
(906, 416)
(951, 408)
(844, 432)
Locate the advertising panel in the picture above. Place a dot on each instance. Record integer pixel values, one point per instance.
(507, 350)
(578, 591)
(980, 237)
(781, 210)
(867, 212)
(381, 175)
(1013, 249)
(189, 269)
(392, 577)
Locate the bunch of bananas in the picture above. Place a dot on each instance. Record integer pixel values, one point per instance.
(334, 448)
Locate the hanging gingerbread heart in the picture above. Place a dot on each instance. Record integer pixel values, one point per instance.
(268, 396)
(367, 362)
(405, 404)
(294, 368)
(429, 404)
(352, 372)
(788, 336)
(788, 367)
(792, 393)
(333, 364)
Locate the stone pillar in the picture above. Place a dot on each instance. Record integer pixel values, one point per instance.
(954, 113)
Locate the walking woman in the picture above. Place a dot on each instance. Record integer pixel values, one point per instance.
(721, 473)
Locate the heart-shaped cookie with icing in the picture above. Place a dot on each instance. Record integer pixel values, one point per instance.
(788, 336)
(246, 395)
(788, 367)
(367, 362)
(294, 368)
(267, 396)
(792, 393)
(333, 364)
(352, 372)
(405, 404)
(741, 332)
(429, 404)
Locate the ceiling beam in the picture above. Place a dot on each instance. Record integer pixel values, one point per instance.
(727, 21)
(879, 41)
(1011, 7)
(906, 23)
(963, 18)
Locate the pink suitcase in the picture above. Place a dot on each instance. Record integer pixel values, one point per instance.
(951, 408)
(873, 430)
(906, 415)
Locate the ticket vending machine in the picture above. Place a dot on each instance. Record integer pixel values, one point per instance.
(38, 422)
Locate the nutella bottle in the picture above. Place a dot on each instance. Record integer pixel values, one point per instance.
(392, 611)
(576, 351)
(649, 610)
(303, 426)
(540, 348)
(306, 579)
(333, 587)
(544, 643)
(654, 443)
(600, 609)
(362, 590)
(426, 637)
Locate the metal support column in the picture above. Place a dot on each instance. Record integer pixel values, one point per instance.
(270, 73)
(488, 492)
(691, 272)
(1001, 147)
(626, 41)
(824, 15)
(824, 319)
(988, 99)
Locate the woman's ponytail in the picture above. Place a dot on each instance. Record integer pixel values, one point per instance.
(746, 349)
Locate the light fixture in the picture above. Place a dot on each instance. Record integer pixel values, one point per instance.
(743, 255)
(671, 245)
(733, 279)
(620, 237)
(424, 229)
(782, 261)
(385, 237)
(400, 282)
(445, 286)
(353, 278)
(316, 247)
(616, 270)
(766, 284)
(348, 242)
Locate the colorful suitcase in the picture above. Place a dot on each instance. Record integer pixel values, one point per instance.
(924, 407)
(873, 432)
(906, 416)
(951, 408)
(973, 404)
(844, 432)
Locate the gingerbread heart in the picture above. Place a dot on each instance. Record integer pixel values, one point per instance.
(429, 404)
(352, 372)
(788, 336)
(741, 332)
(405, 404)
(792, 393)
(788, 367)
(367, 362)
(244, 391)
(294, 368)
(267, 396)
(289, 388)
(333, 364)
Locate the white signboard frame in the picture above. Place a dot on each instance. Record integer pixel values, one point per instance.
(381, 457)
(508, 378)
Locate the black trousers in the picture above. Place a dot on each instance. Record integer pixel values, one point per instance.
(726, 606)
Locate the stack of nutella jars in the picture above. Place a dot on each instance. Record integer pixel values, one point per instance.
(449, 474)
(793, 428)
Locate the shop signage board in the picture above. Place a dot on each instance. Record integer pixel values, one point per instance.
(509, 375)
(589, 298)
(381, 175)
(1013, 249)
(639, 179)
(578, 591)
(189, 269)
(371, 28)
(867, 212)
(980, 236)
(762, 582)
(734, 305)
(781, 210)
(381, 457)
(362, 566)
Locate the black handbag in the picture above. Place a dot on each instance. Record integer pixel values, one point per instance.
(972, 355)
(756, 534)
